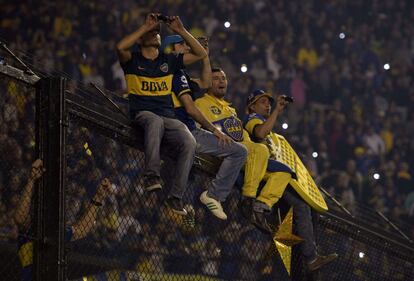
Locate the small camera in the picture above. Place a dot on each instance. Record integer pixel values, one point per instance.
(287, 99)
(163, 18)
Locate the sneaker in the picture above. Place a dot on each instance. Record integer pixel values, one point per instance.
(246, 207)
(258, 219)
(189, 219)
(152, 183)
(176, 205)
(320, 261)
(213, 205)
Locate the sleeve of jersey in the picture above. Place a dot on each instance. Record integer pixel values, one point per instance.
(128, 66)
(176, 62)
(180, 84)
(203, 107)
(251, 124)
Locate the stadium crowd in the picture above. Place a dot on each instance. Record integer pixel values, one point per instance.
(348, 65)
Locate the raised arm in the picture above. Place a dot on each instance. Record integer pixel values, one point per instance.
(204, 81)
(85, 224)
(128, 41)
(262, 130)
(198, 52)
(21, 215)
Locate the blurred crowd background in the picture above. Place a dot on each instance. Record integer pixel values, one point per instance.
(348, 64)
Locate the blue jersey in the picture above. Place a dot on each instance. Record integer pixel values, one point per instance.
(181, 87)
(149, 82)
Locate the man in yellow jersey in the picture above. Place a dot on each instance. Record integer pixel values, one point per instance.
(259, 123)
(224, 117)
(149, 75)
(210, 140)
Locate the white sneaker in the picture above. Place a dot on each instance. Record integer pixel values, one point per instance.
(213, 205)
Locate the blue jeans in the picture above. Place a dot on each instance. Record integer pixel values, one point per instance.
(176, 136)
(233, 154)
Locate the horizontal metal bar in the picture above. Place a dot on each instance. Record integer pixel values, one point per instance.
(19, 74)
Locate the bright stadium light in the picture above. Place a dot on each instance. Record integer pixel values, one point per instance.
(243, 68)
(315, 154)
(342, 35)
(376, 176)
(361, 255)
(387, 66)
(227, 24)
(285, 126)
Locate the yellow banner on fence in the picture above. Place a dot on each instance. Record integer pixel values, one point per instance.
(303, 183)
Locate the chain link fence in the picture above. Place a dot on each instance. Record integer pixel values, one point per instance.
(132, 236)
(135, 237)
(17, 148)
(364, 255)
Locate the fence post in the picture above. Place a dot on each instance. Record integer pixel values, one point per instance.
(49, 249)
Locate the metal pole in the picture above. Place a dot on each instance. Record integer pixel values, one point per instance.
(336, 201)
(26, 68)
(110, 100)
(49, 262)
(394, 226)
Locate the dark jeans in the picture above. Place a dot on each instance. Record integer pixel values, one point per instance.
(176, 136)
(303, 220)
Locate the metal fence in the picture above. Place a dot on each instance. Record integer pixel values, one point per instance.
(132, 236)
(17, 150)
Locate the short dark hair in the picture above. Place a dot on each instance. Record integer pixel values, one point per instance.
(216, 69)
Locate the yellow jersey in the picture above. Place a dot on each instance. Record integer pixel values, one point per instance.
(223, 116)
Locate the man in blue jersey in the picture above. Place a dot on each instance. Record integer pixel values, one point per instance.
(23, 220)
(210, 140)
(149, 75)
(175, 43)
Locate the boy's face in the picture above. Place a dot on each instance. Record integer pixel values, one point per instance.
(151, 39)
(182, 48)
(262, 106)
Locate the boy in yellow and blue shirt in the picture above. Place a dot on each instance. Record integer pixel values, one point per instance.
(259, 123)
(224, 117)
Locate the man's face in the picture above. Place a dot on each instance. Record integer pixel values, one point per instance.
(262, 106)
(182, 48)
(219, 84)
(151, 39)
